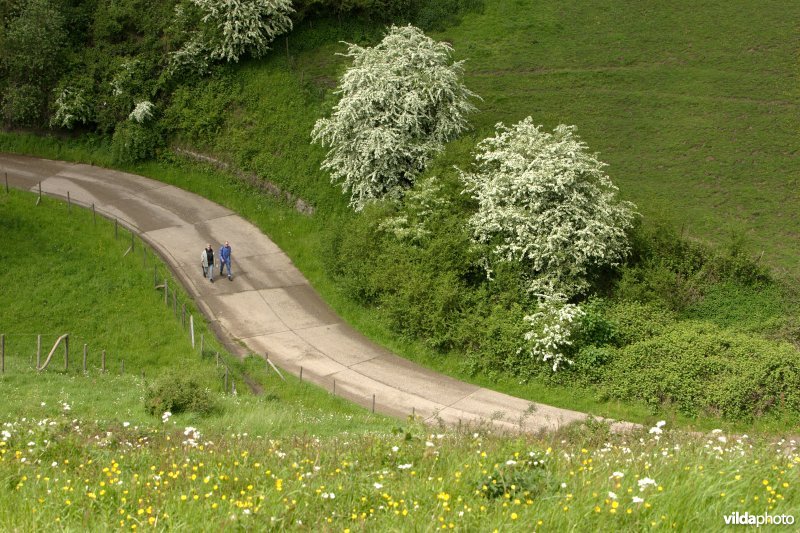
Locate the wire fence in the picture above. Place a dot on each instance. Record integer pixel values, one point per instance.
(69, 353)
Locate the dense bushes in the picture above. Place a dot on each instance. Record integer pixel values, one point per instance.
(658, 335)
(701, 369)
(133, 142)
(177, 392)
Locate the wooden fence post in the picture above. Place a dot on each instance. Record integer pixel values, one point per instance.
(69, 204)
(183, 324)
(94, 215)
(103, 362)
(334, 387)
(301, 373)
(40, 194)
(191, 328)
(6, 182)
(85, 347)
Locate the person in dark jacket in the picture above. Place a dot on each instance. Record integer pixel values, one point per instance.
(207, 262)
(225, 260)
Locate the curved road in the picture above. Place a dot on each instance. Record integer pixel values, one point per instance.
(269, 307)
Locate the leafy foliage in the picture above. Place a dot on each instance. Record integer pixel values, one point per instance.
(227, 29)
(551, 329)
(177, 393)
(523, 474)
(134, 142)
(701, 369)
(543, 200)
(33, 41)
(71, 108)
(143, 112)
(401, 100)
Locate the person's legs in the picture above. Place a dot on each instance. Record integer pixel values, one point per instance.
(211, 272)
(230, 272)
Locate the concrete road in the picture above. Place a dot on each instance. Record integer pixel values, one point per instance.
(269, 307)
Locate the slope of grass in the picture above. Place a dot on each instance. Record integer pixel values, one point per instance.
(71, 275)
(696, 110)
(78, 451)
(698, 125)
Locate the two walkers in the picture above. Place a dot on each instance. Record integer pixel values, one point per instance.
(207, 261)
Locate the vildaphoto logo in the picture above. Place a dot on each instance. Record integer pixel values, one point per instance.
(758, 520)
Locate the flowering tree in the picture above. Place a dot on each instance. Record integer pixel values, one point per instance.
(544, 200)
(551, 329)
(142, 112)
(401, 101)
(71, 107)
(228, 29)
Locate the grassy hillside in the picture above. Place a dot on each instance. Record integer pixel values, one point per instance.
(694, 109)
(72, 276)
(80, 452)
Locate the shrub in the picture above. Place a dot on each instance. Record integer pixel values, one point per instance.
(226, 30)
(701, 369)
(134, 142)
(71, 108)
(633, 321)
(177, 392)
(526, 475)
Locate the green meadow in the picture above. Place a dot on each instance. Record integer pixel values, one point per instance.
(696, 110)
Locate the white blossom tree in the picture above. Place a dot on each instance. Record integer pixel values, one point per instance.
(401, 101)
(142, 112)
(551, 329)
(71, 108)
(228, 29)
(544, 200)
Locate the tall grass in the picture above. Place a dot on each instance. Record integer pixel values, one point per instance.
(63, 472)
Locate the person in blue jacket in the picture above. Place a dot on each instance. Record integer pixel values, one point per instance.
(225, 260)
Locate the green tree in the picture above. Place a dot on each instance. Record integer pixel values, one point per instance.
(32, 48)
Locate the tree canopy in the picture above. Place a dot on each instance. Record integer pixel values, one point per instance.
(543, 199)
(401, 101)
